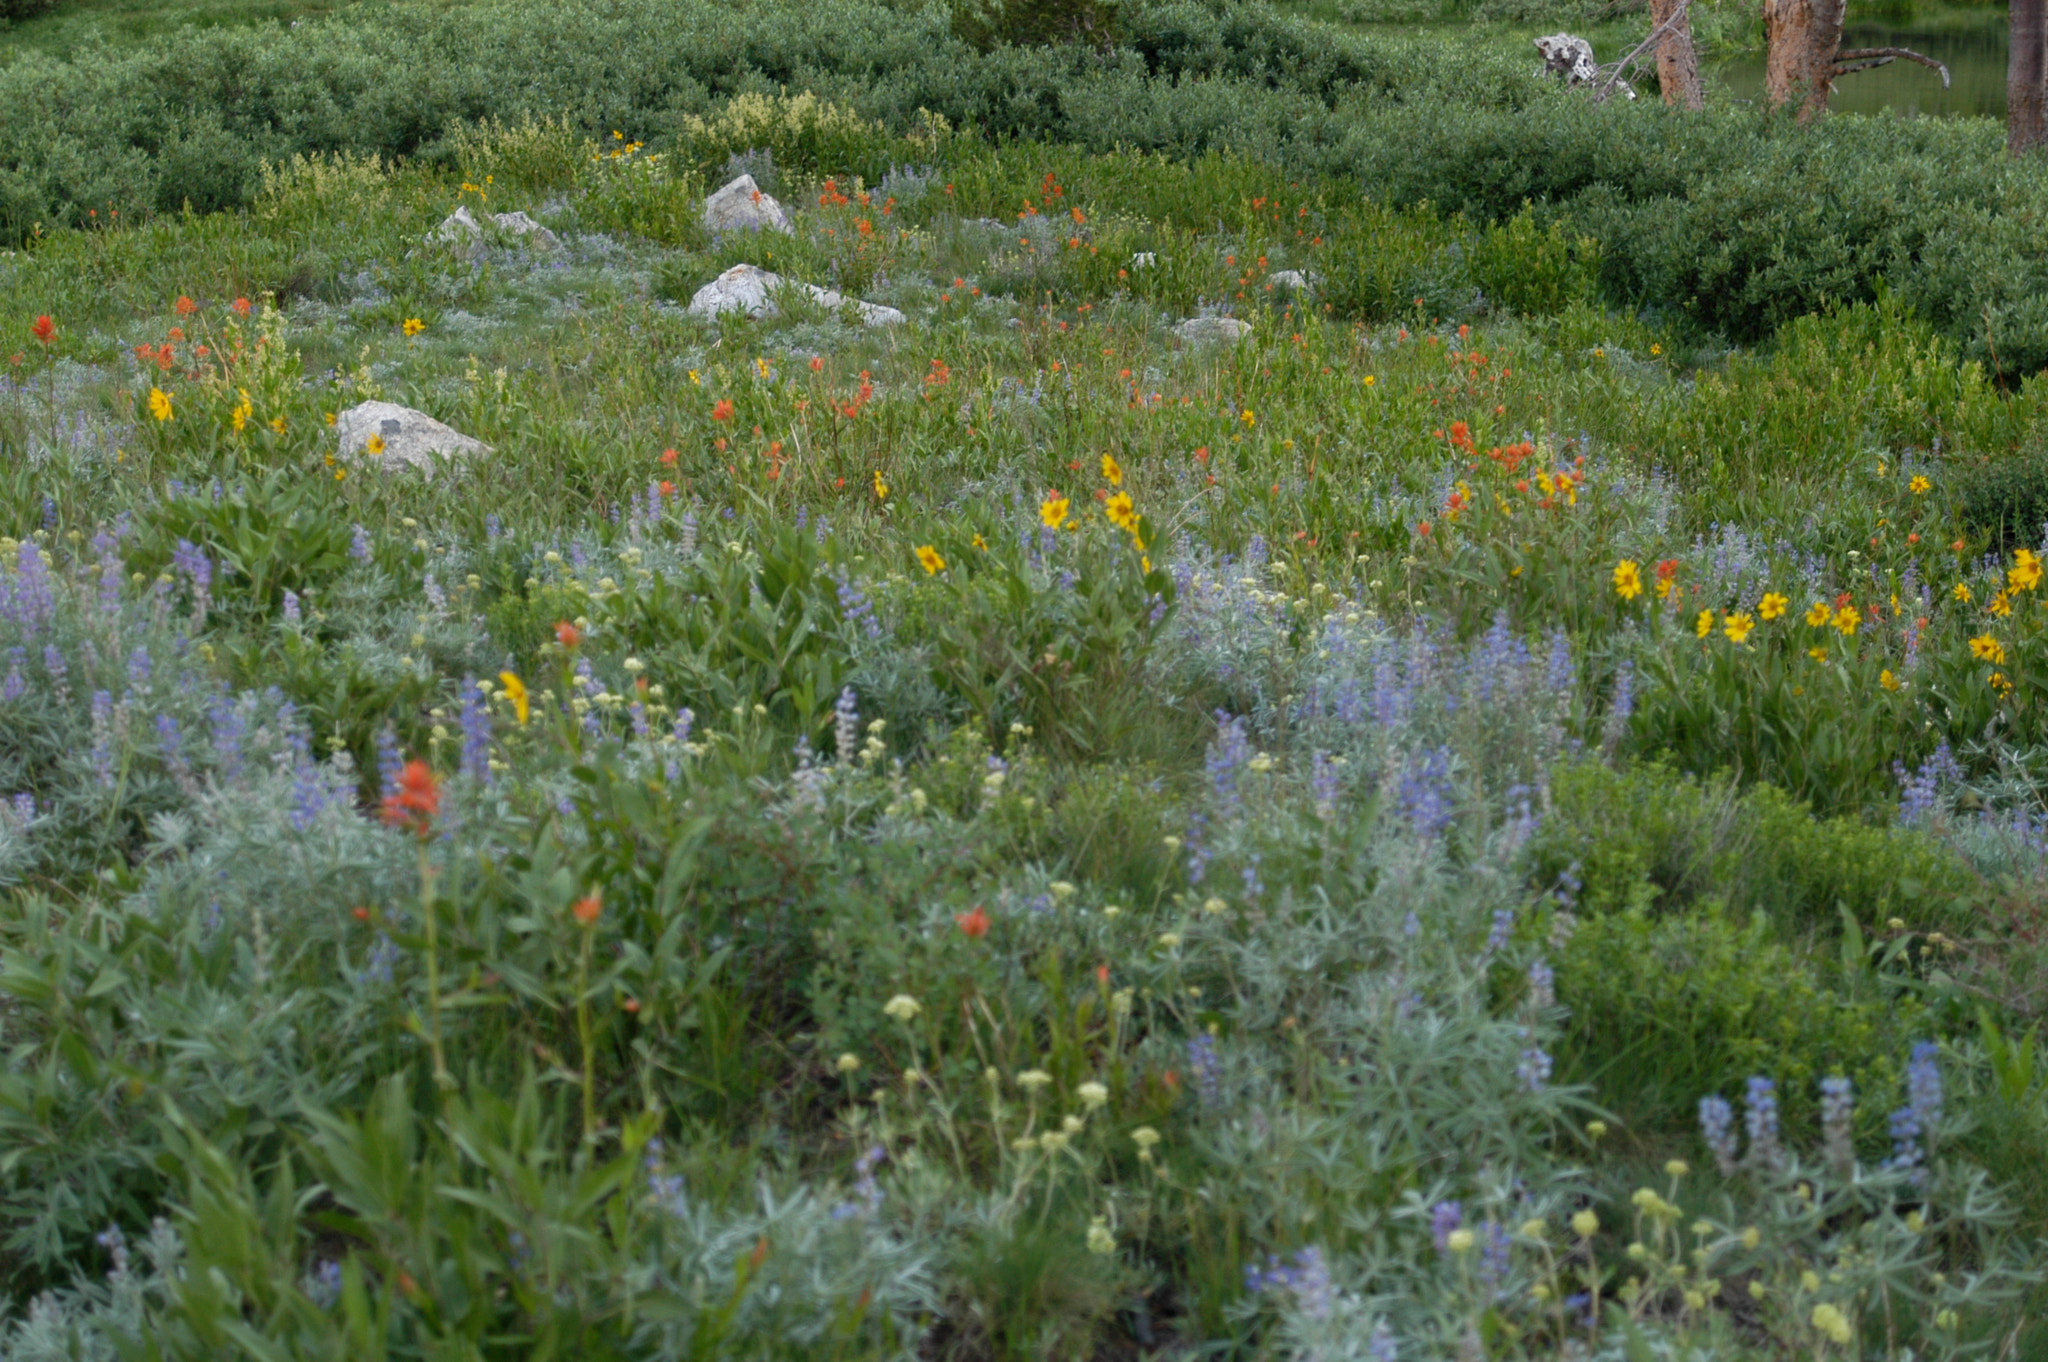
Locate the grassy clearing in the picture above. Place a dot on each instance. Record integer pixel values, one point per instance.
(1011, 836)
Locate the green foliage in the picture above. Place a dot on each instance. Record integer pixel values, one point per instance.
(1027, 23)
(1535, 271)
(1704, 1003)
(2002, 497)
(1646, 838)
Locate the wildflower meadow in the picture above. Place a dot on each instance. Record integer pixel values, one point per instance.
(1273, 770)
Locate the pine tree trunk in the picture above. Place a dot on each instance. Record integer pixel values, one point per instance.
(2026, 119)
(1803, 37)
(1678, 66)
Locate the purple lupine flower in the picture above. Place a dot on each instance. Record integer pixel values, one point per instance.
(1196, 842)
(846, 727)
(1923, 1084)
(189, 561)
(229, 729)
(1717, 1125)
(139, 669)
(1837, 1114)
(102, 755)
(867, 1192)
(1542, 984)
(1494, 1250)
(291, 607)
(53, 664)
(14, 687)
(22, 808)
(1907, 1154)
(359, 543)
(32, 604)
(476, 733)
(172, 742)
(1533, 1068)
(1424, 793)
(1381, 1346)
(309, 789)
(1305, 1281)
(1760, 1120)
(1920, 792)
(390, 762)
(686, 719)
(1559, 672)
(377, 964)
(1322, 783)
(1503, 928)
(855, 607)
(1207, 1069)
(1444, 1217)
(493, 527)
(1621, 706)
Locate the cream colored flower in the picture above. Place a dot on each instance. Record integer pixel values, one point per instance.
(849, 1063)
(903, 1007)
(1092, 1094)
(1031, 1080)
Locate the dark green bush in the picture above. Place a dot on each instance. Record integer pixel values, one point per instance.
(1646, 837)
(1668, 1008)
(1027, 23)
(2004, 497)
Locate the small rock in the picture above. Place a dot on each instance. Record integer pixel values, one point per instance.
(751, 289)
(1201, 330)
(742, 207)
(524, 227)
(460, 231)
(411, 439)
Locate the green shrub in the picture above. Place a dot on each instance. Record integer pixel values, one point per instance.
(2003, 497)
(1027, 23)
(1647, 838)
(1536, 271)
(1667, 1008)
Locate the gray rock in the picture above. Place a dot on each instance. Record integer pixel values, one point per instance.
(527, 230)
(411, 439)
(1204, 330)
(752, 290)
(742, 207)
(461, 232)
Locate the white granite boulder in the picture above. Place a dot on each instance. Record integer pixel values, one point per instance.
(462, 233)
(752, 290)
(404, 438)
(1205, 330)
(527, 230)
(742, 206)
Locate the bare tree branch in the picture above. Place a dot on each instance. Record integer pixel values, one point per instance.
(1600, 95)
(1880, 56)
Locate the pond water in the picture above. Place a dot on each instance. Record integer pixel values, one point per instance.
(1974, 52)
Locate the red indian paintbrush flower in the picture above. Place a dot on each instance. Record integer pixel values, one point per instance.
(416, 800)
(45, 330)
(974, 924)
